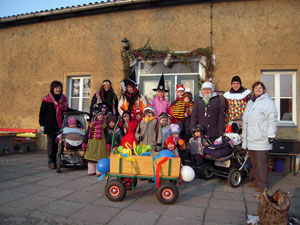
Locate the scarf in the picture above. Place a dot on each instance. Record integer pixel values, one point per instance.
(59, 106)
(254, 97)
(131, 98)
(149, 119)
(240, 90)
(96, 129)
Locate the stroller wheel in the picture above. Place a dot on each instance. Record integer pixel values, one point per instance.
(207, 171)
(234, 178)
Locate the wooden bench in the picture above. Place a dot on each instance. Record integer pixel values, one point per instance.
(11, 138)
(292, 156)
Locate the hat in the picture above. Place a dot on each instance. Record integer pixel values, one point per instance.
(149, 107)
(174, 129)
(208, 85)
(71, 121)
(170, 140)
(163, 115)
(131, 80)
(180, 88)
(236, 79)
(161, 84)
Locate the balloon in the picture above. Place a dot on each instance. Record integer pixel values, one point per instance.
(187, 173)
(166, 153)
(103, 165)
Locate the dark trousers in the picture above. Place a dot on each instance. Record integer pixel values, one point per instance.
(51, 148)
(259, 174)
(181, 127)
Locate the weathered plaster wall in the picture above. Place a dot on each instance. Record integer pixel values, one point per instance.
(247, 35)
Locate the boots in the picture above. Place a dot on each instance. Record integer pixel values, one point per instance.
(91, 168)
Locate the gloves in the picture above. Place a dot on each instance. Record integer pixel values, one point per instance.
(84, 146)
(108, 148)
(42, 128)
(271, 140)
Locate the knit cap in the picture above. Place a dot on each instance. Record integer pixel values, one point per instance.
(236, 79)
(71, 121)
(208, 85)
(170, 140)
(174, 129)
(149, 107)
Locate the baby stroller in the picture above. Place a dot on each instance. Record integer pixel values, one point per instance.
(70, 153)
(227, 159)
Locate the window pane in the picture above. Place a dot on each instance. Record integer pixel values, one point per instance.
(75, 87)
(269, 82)
(286, 107)
(285, 85)
(178, 67)
(75, 103)
(150, 94)
(86, 87)
(188, 85)
(86, 105)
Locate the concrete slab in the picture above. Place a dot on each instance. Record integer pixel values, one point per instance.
(8, 195)
(195, 201)
(31, 202)
(30, 188)
(14, 211)
(153, 206)
(74, 184)
(62, 208)
(95, 213)
(52, 181)
(106, 202)
(128, 217)
(225, 216)
(55, 192)
(188, 212)
(82, 196)
(227, 204)
(167, 220)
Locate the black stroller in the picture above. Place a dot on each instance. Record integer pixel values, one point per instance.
(226, 159)
(70, 153)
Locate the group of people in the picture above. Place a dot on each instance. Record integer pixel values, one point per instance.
(176, 126)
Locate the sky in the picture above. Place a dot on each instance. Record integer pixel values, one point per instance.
(14, 7)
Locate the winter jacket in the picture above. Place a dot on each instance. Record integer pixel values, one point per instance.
(212, 119)
(259, 123)
(148, 136)
(195, 146)
(47, 118)
(160, 105)
(235, 104)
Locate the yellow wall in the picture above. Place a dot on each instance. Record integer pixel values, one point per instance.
(248, 36)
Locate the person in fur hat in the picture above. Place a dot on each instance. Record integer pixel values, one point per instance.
(208, 111)
(50, 118)
(106, 95)
(177, 109)
(236, 100)
(147, 130)
(98, 146)
(160, 103)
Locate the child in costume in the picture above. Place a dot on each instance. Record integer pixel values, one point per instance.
(180, 144)
(195, 146)
(113, 132)
(171, 145)
(124, 125)
(163, 127)
(147, 129)
(189, 104)
(177, 109)
(97, 147)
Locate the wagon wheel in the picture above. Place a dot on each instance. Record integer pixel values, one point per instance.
(234, 178)
(115, 190)
(207, 171)
(167, 193)
(130, 183)
(58, 158)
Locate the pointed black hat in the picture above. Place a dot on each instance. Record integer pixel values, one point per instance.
(131, 79)
(161, 84)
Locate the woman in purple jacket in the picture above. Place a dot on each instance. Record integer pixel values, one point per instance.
(160, 103)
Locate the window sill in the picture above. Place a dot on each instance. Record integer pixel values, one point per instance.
(286, 124)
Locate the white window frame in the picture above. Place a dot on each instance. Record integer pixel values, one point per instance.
(277, 97)
(200, 72)
(70, 78)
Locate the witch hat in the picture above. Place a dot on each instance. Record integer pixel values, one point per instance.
(161, 84)
(131, 79)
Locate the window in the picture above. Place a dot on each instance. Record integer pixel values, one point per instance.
(281, 86)
(79, 89)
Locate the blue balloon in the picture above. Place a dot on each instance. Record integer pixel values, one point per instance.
(103, 165)
(166, 153)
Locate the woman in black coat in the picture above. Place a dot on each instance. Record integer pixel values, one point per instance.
(50, 118)
(208, 111)
(106, 95)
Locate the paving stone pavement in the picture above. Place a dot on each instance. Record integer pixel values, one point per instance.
(32, 194)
